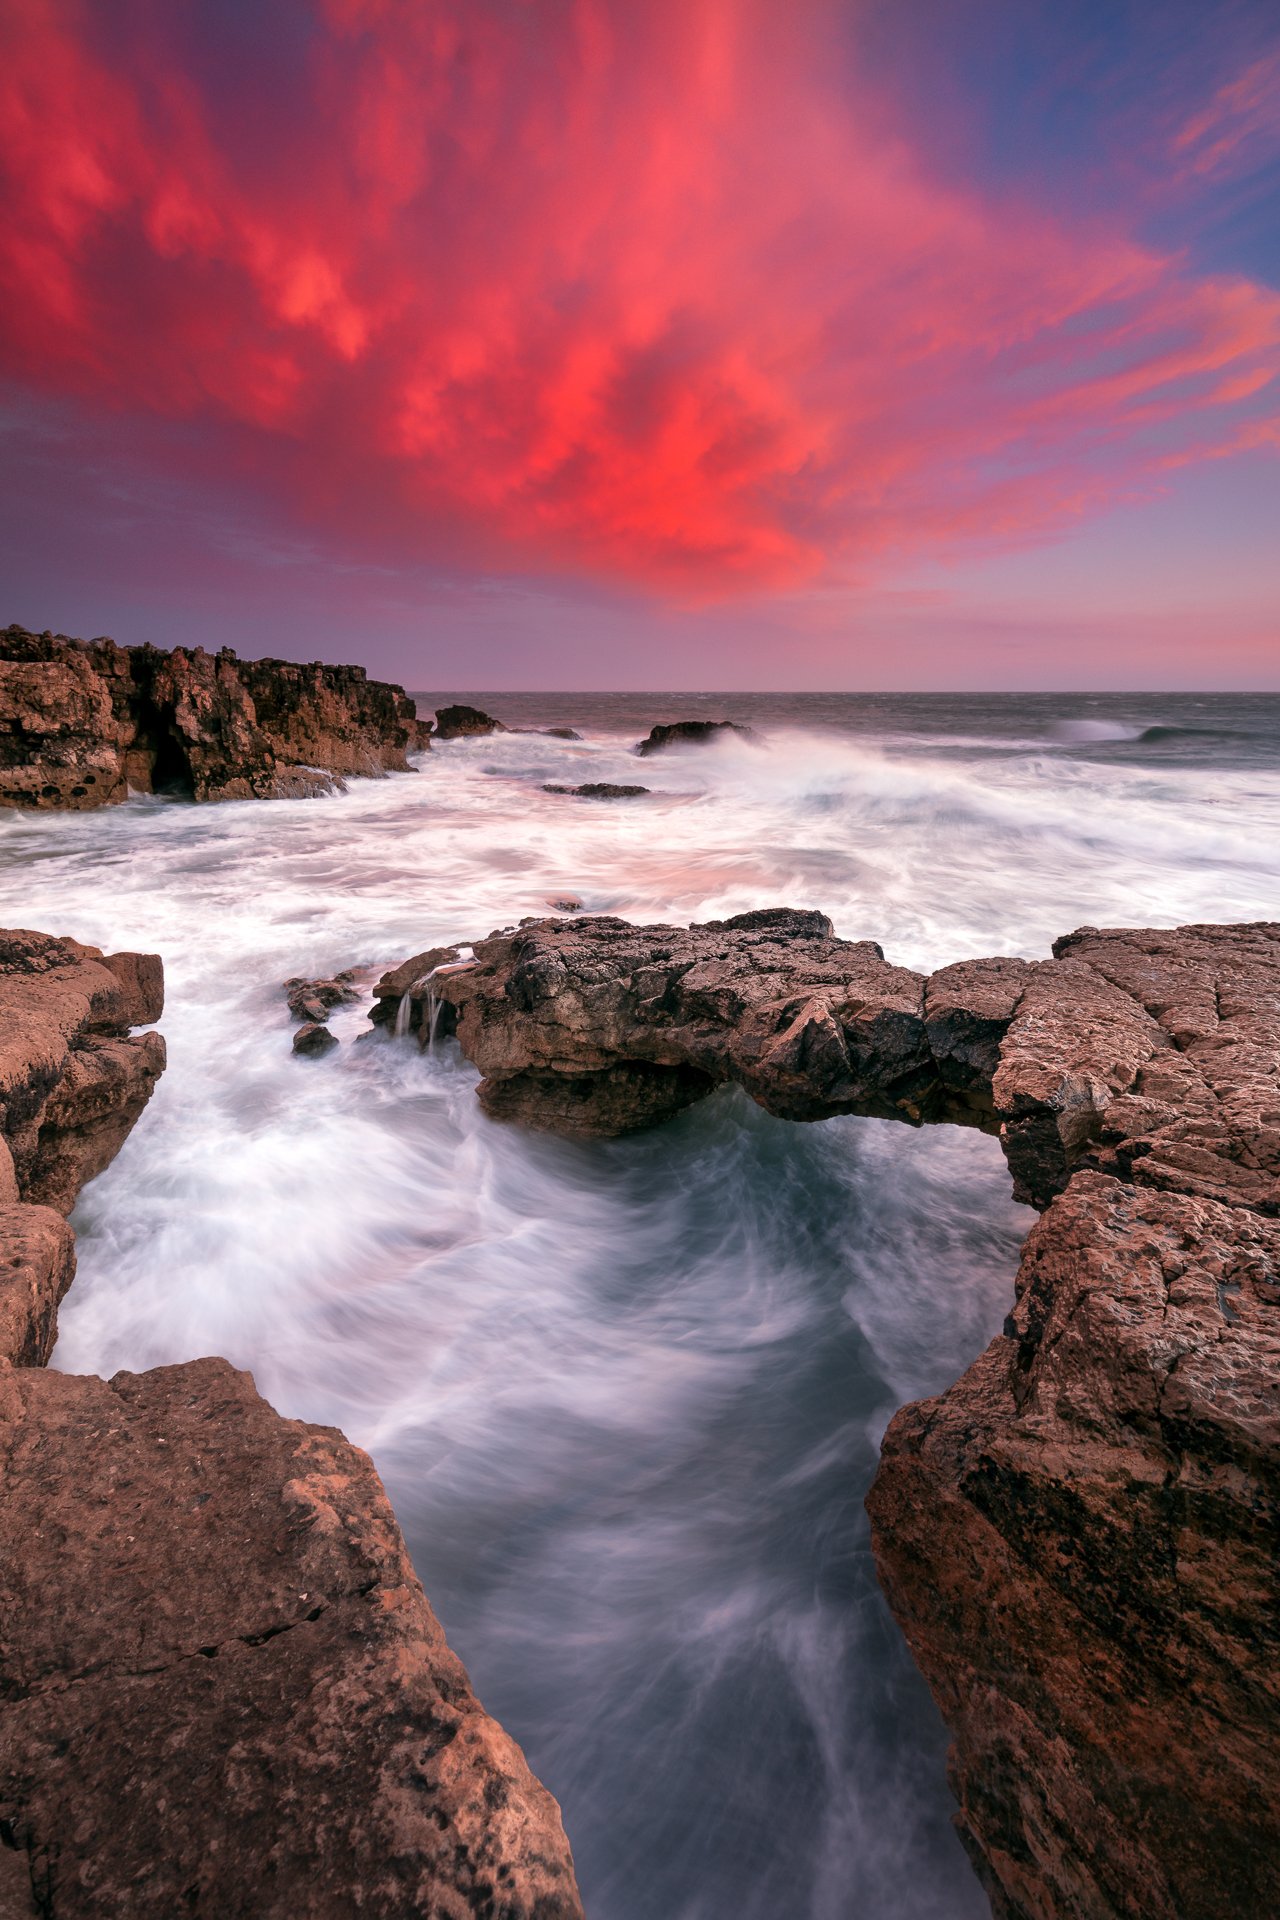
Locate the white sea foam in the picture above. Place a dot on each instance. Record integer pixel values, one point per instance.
(626, 1396)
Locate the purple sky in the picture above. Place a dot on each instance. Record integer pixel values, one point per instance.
(704, 344)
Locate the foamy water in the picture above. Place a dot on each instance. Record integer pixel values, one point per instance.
(627, 1396)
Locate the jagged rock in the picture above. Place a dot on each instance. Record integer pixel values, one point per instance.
(313, 1039)
(1079, 1541)
(315, 999)
(222, 1690)
(82, 723)
(1079, 1538)
(690, 733)
(37, 1265)
(413, 977)
(463, 723)
(808, 1024)
(598, 790)
(73, 1080)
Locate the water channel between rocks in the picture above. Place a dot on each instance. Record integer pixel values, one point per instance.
(627, 1397)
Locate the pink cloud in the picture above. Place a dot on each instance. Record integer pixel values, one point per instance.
(638, 292)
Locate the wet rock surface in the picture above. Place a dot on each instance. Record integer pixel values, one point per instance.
(315, 1000)
(73, 1079)
(690, 733)
(313, 1040)
(231, 1697)
(1079, 1538)
(82, 723)
(465, 723)
(598, 790)
(222, 1691)
(1079, 1542)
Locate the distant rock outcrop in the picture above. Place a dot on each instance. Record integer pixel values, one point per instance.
(465, 723)
(598, 790)
(82, 723)
(1080, 1537)
(690, 733)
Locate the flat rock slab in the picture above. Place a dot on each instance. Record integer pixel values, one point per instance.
(223, 1690)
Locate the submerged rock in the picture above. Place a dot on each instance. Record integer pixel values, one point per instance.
(83, 723)
(690, 733)
(229, 1695)
(1079, 1537)
(598, 790)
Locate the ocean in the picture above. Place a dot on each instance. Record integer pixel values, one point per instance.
(627, 1396)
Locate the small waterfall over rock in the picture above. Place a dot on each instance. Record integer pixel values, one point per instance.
(435, 1005)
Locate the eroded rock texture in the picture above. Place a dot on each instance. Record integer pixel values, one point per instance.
(222, 1690)
(73, 1079)
(82, 723)
(1080, 1538)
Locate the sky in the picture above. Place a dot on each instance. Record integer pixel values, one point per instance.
(649, 343)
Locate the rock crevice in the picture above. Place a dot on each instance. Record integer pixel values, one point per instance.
(1079, 1538)
(222, 1689)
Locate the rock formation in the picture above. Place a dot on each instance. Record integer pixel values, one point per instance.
(222, 1690)
(598, 790)
(1079, 1538)
(73, 1079)
(464, 723)
(315, 1000)
(83, 723)
(313, 1040)
(689, 733)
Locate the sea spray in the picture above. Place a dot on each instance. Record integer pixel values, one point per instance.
(627, 1396)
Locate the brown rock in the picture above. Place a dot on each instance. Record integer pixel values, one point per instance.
(37, 1264)
(230, 1697)
(1079, 1538)
(314, 1040)
(808, 1024)
(1079, 1541)
(316, 999)
(72, 1079)
(82, 723)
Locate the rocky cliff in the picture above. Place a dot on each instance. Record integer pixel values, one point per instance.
(83, 723)
(1079, 1538)
(222, 1689)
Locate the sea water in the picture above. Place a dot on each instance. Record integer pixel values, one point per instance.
(627, 1396)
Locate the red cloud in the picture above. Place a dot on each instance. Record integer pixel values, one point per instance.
(641, 290)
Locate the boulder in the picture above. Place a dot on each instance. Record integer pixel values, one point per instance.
(463, 723)
(316, 999)
(313, 1040)
(598, 790)
(690, 733)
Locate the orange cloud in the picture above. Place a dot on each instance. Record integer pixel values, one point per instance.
(654, 293)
